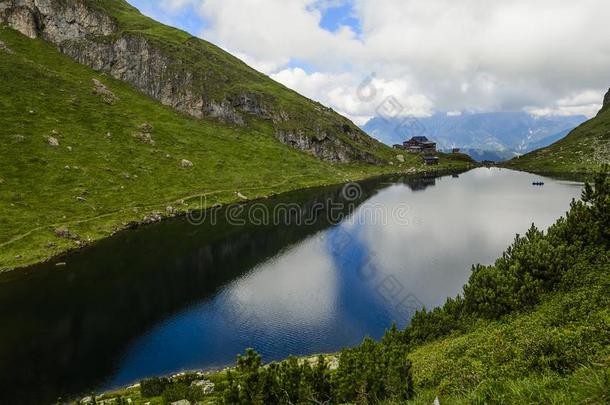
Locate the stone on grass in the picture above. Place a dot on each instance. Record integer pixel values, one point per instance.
(144, 137)
(5, 48)
(65, 233)
(152, 218)
(186, 163)
(101, 90)
(52, 141)
(145, 133)
(206, 386)
(146, 127)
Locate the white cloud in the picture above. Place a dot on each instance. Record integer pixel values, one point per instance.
(548, 56)
(273, 32)
(583, 103)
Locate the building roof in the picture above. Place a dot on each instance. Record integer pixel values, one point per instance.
(421, 139)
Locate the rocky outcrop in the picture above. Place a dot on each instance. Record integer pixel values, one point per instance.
(87, 34)
(322, 145)
(20, 18)
(101, 90)
(55, 20)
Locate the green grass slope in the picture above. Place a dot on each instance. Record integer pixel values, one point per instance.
(106, 173)
(584, 150)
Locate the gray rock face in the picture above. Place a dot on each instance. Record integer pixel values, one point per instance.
(20, 18)
(93, 38)
(607, 98)
(54, 20)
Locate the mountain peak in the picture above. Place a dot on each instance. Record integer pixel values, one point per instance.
(607, 98)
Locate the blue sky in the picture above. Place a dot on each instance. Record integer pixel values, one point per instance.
(342, 14)
(185, 18)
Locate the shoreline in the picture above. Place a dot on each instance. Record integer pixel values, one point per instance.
(331, 358)
(154, 216)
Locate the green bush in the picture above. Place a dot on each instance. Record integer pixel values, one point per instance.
(374, 371)
(178, 391)
(154, 387)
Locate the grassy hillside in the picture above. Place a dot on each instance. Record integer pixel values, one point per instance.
(191, 75)
(119, 157)
(584, 150)
(534, 328)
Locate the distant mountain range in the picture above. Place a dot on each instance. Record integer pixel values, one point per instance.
(493, 136)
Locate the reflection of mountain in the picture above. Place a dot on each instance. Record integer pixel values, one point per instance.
(68, 325)
(421, 183)
(417, 183)
(493, 155)
(512, 132)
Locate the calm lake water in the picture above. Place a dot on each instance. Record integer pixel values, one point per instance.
(337, 264)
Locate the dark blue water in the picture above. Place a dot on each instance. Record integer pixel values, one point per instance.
(176, 296)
